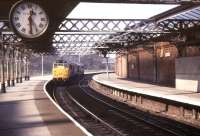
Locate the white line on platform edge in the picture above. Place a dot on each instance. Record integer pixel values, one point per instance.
(65, 113)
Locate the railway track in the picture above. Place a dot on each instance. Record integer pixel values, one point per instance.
(103, 116)
(91, 122)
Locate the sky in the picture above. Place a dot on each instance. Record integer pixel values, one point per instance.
(118, 11)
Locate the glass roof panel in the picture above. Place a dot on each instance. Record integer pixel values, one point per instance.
(193, 13)
(118, 11)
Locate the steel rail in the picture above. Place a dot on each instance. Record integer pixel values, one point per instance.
(128, 113)
(94, 116)
(90, 113)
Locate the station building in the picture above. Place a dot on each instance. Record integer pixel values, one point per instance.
(173, 62)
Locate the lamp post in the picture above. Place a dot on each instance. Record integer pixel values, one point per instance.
(42, 65)
(79, 58)
(106, 57)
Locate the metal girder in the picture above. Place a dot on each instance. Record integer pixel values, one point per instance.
(75, 33)
(171, 25)
(74, 48)
(77, 43)
(152, 32)
(76, 51)
(78, 38)
(97, 25)
(130, 35)
(133, 25)
(7, 36)
(73, 45)
(10, 37)
(165, 26)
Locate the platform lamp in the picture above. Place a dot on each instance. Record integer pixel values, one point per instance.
(42, 62)
(104, 52)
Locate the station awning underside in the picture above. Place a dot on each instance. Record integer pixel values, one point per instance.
(86, 36)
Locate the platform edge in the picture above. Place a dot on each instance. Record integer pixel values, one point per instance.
(85, 131)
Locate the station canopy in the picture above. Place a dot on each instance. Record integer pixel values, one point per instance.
(90, 25)
(84, 28)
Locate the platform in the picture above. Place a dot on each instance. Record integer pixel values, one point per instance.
(187, 97)
(27, 111)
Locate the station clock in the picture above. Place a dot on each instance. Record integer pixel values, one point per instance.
(28, 19)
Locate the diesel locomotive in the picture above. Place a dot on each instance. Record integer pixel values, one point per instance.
(63, 71)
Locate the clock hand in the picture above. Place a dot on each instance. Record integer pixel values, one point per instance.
(33, 22)
(30, 22)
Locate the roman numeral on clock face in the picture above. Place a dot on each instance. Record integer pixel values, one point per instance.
(18, 25)
(43, 19)
(41, 25)
(23, 30)
(16, 18)
(18, 12)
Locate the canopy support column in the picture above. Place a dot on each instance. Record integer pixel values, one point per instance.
(8, 65)
(3, 87)
(17, 66)
(20, 66)
(42, 65)
(12, 67)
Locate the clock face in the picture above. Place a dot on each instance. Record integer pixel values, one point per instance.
(28, 19)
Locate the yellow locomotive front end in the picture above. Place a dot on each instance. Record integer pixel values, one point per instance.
(60, 71)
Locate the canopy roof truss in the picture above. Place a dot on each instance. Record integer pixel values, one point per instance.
(85, 35)
(116, 34)
(97, 25)
(10, 37)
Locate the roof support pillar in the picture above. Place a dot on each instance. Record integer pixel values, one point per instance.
(17, 66)
(21, 66)
(3, 87)
(27, 68)
(26, 65)
(8, 65)
(42, 65)
(12, 67)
